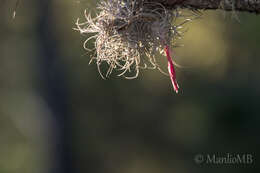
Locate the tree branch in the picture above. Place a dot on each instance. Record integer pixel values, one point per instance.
(252, 6)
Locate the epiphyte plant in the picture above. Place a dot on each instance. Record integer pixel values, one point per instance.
(129, 33)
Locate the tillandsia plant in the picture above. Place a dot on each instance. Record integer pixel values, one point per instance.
(128, 33)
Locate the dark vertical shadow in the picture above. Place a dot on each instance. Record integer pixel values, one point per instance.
(53, 88)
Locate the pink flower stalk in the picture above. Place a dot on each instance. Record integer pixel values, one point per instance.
(171, 69)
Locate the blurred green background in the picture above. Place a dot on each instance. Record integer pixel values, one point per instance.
(58, 115)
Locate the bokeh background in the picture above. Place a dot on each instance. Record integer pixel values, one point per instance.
(58, 116)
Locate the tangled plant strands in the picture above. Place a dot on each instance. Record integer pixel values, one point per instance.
(128, 33)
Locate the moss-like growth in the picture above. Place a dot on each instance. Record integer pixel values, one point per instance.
(128, 33)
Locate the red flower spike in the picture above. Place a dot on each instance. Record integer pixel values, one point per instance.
(171, 69)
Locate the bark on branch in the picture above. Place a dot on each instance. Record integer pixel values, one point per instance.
(252, 6)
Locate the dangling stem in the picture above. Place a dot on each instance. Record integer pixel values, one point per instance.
(171, 69)
(16, 6)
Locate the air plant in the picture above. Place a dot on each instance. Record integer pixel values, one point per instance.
(128, 33)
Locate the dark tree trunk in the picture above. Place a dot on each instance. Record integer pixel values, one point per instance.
(53, 89)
